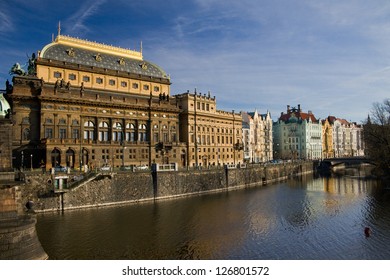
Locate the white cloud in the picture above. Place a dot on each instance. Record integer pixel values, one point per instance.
(75, 24)
(6, 24)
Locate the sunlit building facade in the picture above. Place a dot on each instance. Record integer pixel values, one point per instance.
(347, 138)
(84, 103)
(297, 135)
(257, 137)
(213, 137)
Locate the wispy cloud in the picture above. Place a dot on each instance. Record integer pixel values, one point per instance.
(75, 24)
(6, 24)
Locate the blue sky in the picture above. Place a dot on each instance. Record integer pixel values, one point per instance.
(332, 57)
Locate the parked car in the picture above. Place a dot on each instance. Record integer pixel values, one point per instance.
(105, 168)
(142, 167)
(60, 168)
(127, 168)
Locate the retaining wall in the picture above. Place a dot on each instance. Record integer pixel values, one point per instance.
(126, 187)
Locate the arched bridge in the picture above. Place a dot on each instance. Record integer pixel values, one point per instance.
(339, 163)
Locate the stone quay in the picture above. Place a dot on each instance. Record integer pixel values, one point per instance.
(114, 188)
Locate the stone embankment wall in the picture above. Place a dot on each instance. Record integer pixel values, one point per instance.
(125, 187)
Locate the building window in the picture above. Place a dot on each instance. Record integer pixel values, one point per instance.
(103, 124)
(99, 80)
(111, 82)
(123, 84)
(26, 134)
(135, 86)
(142, 133)
(26, 120)
(72, 77)
(89, 128)
(48, 133)
(86, 79)
(130, 136)
(103, 135)
(75, 133)
(146, 87)
(62, 132)
(157, 89)
(57, 75)
(117, 132)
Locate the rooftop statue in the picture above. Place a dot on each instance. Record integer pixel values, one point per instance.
(31, 69)
(17, 70)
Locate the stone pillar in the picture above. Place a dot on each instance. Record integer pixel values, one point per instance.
(18, 236)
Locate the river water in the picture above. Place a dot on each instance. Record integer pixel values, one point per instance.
(310, 219)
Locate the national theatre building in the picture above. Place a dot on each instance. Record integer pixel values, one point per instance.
(85, 103)
(93, 104)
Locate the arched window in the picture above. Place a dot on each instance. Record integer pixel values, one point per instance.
(103, 131)
(89, 130)
(130, 132)
(117, 132)
(55, 157)
(103, 124)
(142, 133)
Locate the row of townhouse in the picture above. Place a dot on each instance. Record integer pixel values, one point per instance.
(299, 135)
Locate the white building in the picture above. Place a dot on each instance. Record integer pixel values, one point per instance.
(347, 138)
(297, 135)
(257, 137)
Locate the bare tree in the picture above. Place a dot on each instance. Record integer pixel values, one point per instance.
(377, 135)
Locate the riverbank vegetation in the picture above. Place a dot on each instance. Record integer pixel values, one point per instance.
(377, 136)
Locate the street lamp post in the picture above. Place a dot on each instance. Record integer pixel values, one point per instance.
(31, 162)
(21, 164)
(122, 143)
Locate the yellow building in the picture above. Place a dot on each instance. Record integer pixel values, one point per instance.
(85, 103)
(327, 138)
(213, 137)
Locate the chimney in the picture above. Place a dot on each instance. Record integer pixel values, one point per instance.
(299, 108)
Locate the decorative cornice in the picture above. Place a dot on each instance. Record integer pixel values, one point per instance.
(98, 47)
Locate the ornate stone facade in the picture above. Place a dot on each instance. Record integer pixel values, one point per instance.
(258, 146)
(213, 137)
(297, 135)
(347, 138)
(84, 103)
(93, 104)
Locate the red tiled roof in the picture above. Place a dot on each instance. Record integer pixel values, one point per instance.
(299, 115)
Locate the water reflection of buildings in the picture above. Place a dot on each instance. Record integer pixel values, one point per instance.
(340, 185)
